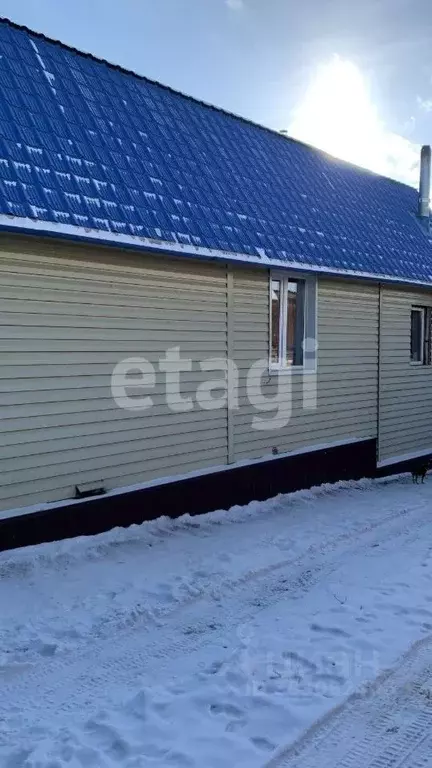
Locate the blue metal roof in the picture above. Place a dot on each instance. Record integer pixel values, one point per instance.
(90, 150)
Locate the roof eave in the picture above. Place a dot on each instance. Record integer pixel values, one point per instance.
(72, 233)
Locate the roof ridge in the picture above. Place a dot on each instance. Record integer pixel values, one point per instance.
(208, 105)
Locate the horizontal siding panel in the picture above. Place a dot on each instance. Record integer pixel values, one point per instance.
(289, 441)
(327, 326)
(65, 321)
(95, 408)
(407, 373)
(153, 353)
(49, 253)
(19, 373)
(200, 341)
(128, 450)
(395, 387)
(347, 368)
(81, 417)
(353, 341)
(398, 398)
(190, 380)
(406, 389)
(128, 438)
(158, 295)
(333, 389)
(326, 356)
(344, 346)
(127, 421)
(98, 407)
(103, 395)
(151, 308)
(113, 294)
(22, 327)
(309, 421)
(151, 319)
(416, 424)
(326, 405)
(63, 488)
(23, 373)
(326, 375)
(121, 271)
(412, 445)
(404, 370)
(85, 262)
(344, 373)
(99, 468)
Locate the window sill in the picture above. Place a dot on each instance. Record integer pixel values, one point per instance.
(294, 371)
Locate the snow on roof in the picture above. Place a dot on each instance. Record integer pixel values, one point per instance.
(89, 150)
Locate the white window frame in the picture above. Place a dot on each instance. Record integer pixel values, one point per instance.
(310, 323)
(422, 311)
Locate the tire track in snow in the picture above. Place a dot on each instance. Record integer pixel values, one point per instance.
(93, 676)
(141, 616)
(388, 725)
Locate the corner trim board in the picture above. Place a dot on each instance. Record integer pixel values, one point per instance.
(231, 353)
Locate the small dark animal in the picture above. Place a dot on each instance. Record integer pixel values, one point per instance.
(420, 470)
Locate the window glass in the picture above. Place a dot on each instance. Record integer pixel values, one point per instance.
(276, 305)
(295, 326)
(417, 335)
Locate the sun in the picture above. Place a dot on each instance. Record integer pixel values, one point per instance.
(337, 114)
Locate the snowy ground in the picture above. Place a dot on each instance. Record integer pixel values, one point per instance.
(388, 726)
(218, 642)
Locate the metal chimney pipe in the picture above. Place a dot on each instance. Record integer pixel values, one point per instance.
(425, 182)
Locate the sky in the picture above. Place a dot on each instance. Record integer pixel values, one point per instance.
(354, 78)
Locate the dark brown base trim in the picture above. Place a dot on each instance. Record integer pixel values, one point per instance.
(401, 467)
(194, 495)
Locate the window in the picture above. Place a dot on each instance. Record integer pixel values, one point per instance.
(420, 335)
(292, 302)
(417, 334)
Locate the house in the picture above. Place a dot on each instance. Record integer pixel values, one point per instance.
(195, 311)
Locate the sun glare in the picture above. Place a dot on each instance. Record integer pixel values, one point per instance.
(337, 115)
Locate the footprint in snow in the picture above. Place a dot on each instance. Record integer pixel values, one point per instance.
(300, 662)
(226, 709)
(335, 631)
(214, 668)
(264, 744)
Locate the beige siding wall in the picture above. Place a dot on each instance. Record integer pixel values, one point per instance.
(69, 314)
(67, 317)
(406, 389)
(346, 383)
